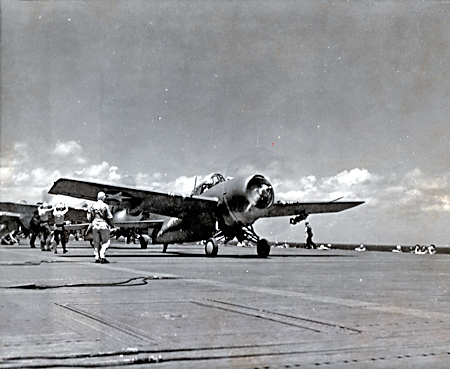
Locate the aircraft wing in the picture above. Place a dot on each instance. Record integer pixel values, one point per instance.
(139, 224)
(158, 202)
(281, 209)
(19, 208)
(9, 215)
(76, 226)
(76, 215)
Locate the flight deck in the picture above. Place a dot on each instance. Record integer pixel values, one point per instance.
(180, 309)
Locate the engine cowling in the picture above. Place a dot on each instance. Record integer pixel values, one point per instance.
(244, 200)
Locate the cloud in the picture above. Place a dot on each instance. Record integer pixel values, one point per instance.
(351, 184)
(41, 177)
(181, 184)
(113, 174)
(401, 197)
(67, 148)
(12, 162)
(347, 178)
(96, 171)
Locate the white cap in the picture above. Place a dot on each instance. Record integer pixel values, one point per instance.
(101, 195)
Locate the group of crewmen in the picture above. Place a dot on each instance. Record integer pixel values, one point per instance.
(420, 250)
(51, 235)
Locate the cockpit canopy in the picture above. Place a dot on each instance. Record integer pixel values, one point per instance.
(213, 180)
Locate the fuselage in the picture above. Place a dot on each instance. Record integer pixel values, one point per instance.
(241, 201)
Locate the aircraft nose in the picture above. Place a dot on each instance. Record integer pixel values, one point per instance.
(260, 192)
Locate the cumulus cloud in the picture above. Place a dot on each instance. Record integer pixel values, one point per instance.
(13, 161)
(113, 173)
(67, 148)
(148, 180)
(440, 203)
(420, 180)
(97, 171)
(104, 172)
(348, 184)
(347, 178)
(41, 177)
(181, 184)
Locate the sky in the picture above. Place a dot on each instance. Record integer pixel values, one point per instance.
(327, 99)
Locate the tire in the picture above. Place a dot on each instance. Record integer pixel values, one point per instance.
(211, 247)
(263, 248)
(143, 242)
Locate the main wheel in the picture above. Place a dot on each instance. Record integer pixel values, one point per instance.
(143, 242)
(263, 248)
(211, 247)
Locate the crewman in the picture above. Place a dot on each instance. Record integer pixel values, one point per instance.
(34, 228)
(101, 223)
(361, 247)
(43, 211)
(58, 229)
(309, 244)
(432, 249)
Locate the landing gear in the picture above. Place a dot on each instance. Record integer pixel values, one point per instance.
(211, 247)
(241, 233)
(263, 248)
(143, 242)
(165, 247)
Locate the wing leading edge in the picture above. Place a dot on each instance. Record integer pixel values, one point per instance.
(158, 202)
(284, 209)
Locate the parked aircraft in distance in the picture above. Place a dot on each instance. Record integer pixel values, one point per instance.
(15, 215)
(217, 209)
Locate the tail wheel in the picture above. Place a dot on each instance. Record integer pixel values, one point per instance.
(211, 247)
(263, 248)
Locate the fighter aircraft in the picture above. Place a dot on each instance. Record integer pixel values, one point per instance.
(15, 215)
(216, 210)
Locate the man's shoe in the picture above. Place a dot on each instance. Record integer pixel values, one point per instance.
(65, 251)
(104, 261)
(55, 251)
(33, 247)
(97, 261)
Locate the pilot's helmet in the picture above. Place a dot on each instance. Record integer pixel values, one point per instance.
(101, 195)
(44, 204)
(60, 206)
(399, 247)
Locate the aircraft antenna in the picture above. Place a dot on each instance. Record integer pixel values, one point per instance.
(195, 185)
(337, 199)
